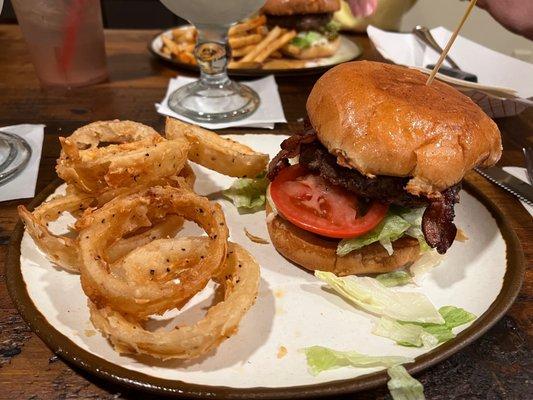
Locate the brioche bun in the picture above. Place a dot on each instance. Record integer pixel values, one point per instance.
(291, 7)
(383, 119)
(318, 51)
(315, 252)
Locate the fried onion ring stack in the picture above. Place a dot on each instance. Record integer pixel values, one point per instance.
(130, 190)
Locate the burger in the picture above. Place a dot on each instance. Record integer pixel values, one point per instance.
(372, 181)
(313, 20)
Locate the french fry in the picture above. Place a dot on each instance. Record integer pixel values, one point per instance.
(166, 51)
(272, 35)
(172, 46)
(277, 54)
(274, 45)
(247, 25)
(262, 30)
(184, 34)
(244, 64)
(242, 41)
(186, 58)
(241, 52)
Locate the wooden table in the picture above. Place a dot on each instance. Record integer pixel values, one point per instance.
(495, 367)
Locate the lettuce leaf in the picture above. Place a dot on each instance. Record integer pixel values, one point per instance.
(395, 278)
(306, 39)
(453, 317)
(369, 294)
(405, 334)
(391, 228)
(399, 221)
(248, 194)
(321, 359)
(403, 386)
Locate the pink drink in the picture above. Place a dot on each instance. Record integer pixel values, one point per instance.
(65, 39)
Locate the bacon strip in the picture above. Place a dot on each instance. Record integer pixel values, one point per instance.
(290, 148)
(437, 221)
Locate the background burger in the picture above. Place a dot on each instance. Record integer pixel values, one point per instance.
(375, 177)
(312, 19)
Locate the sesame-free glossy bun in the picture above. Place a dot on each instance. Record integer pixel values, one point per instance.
(291, 7)
(383, 119)
(314, 252)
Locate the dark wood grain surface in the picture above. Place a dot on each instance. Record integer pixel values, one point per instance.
(497, 366)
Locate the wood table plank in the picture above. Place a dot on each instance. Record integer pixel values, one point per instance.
(497, 366)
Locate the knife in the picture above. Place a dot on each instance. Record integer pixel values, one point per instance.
(519, 188)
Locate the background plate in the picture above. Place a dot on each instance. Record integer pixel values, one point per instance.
(348, 51)
(482, 275)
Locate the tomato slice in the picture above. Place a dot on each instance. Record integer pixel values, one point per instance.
(311, 203)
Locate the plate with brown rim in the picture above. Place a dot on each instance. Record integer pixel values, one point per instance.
(482, 275)
(348, 51)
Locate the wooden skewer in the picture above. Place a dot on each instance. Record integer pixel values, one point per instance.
(450, 42)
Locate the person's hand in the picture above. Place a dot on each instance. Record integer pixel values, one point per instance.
(515, 15)
(362, 8)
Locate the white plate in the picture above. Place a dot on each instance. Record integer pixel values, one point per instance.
(292, 309)
(347, 51)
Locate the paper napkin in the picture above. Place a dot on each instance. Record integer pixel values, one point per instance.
(521, 174)
(23, 185)
(492, 68)
(268, 113)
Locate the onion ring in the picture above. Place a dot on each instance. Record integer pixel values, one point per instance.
(137, 155)
(240, 280)
(63, 250)
(217, 153)
(125, 214)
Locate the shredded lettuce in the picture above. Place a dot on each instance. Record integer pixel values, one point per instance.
(371, 295)
(398, 222)
(403, 386)
(248, 194)
(453, 317)
(306, 39)
(395, 278)
(321, 359)
(405, 334)
(390, 229)
(427, 261)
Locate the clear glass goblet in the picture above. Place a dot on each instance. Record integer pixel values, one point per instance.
(214, 97)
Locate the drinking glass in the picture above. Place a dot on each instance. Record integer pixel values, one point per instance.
(15, 153)
(65, 39)
(214, 97)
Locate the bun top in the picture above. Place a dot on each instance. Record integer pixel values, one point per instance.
(383, 119)
(291, 7)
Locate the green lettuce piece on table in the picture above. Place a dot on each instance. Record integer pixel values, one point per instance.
(369, 294)
(321, 359)
(248, 194)
(403, 386)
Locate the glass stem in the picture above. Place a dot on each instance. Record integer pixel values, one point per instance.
(211, 53)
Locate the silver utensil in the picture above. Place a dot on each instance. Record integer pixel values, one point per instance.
(424, 34)
(519, 188)
(528, 155)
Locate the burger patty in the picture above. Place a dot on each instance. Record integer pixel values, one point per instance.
(437, 220)
(387, 189)
(300, 22)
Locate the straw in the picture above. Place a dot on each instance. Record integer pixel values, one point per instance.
(70, 34)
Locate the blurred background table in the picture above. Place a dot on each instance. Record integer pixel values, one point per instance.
(497, 366)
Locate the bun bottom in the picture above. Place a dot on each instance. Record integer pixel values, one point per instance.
(325, 50)
(314, 252)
